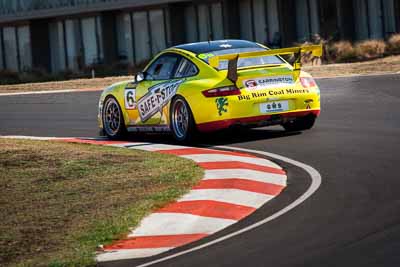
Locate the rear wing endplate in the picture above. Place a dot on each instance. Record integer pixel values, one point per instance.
(214, 61)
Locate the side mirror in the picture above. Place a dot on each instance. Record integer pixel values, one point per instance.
(140, 76)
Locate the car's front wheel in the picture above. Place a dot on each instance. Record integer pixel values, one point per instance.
(300, 124)
(182, 123)
(113, 120)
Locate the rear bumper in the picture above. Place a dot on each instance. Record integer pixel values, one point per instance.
(256, 121)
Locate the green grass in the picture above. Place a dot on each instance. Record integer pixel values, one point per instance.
(59, 201)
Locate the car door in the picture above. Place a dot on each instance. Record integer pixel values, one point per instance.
(150, 93)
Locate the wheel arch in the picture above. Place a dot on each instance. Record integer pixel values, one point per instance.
(187, 101)
(117, 92)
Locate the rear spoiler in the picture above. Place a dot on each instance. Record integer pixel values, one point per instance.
(316, 51)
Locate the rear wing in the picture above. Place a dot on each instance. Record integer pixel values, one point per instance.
(214, 61)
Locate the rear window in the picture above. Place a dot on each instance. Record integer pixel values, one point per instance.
(242, 62)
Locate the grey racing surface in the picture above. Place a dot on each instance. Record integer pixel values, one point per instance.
(352, 220)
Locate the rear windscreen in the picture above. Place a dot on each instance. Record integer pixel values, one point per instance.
(242, 62)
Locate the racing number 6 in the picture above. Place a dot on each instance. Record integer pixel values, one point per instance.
(130, 102)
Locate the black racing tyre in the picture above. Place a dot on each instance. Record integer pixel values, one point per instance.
(182, 123)
(300, 124)
(113, 119)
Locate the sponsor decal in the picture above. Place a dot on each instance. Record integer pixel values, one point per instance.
(272, 93)
(157, 98)
(221, 102)
(205, 56)
(297, 91)
(244, 97)
(250, 84)
(277, 106)
(130, 98)
(280, 92)
(267, 82)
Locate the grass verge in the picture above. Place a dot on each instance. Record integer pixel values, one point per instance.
(59, 201)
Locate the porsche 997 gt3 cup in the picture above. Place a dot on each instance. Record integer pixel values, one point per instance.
(209, 86)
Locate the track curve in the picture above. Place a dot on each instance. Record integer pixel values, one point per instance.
(352, 220)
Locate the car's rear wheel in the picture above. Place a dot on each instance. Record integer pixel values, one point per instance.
(113, 120)
(182, 123)
(300, 124)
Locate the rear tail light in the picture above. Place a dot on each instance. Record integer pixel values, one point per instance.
(307, 82)
(222, 91)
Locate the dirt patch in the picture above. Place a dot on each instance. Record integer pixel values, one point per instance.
(87, 84)
(59, 201)
(378, 66)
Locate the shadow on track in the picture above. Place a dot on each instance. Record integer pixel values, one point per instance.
(224, 137)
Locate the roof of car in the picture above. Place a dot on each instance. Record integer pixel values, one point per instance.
(205, 47)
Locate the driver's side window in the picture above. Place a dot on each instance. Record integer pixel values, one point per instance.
(162, 68)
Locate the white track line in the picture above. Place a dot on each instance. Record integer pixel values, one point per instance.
(253, 175)
(124, 254)
(51, 92)
(231, 196)
(315, 184)
(224, 157)
(179, 223)
(28, 137)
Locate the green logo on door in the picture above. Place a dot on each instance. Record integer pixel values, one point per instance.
(221, 102)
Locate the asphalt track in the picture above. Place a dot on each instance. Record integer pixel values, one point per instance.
(352, 220)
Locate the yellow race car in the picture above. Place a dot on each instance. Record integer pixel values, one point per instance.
(208, 86)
